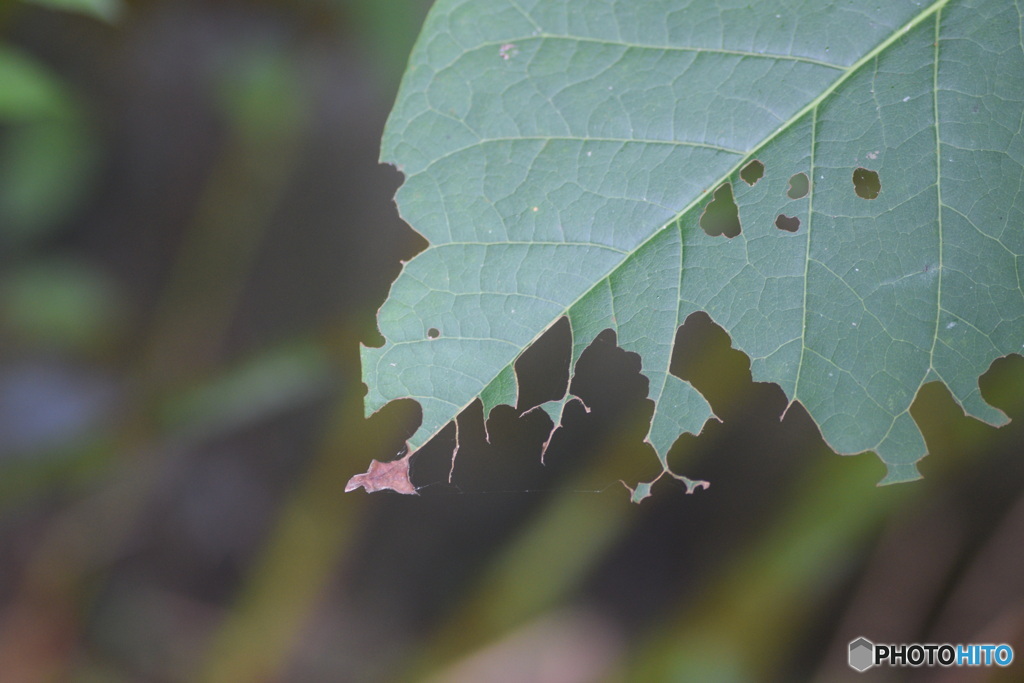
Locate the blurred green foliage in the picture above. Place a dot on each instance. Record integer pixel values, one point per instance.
(59, 303)
(108, 10)
(30, 92)
(48, 154)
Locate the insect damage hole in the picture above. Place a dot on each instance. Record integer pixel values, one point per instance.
(866, 183)
(798, 186)
(787, 223)
(433, 333)
(752, 172)
(721, 216)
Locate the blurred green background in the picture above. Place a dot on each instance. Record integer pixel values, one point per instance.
(194, 238)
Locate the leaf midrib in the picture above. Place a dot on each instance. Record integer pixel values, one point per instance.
(849, 72)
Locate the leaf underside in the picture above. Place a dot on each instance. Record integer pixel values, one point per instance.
(559, 156)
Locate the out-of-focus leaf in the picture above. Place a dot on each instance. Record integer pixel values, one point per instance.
(59, 304)
(271, 381)
(107, 10)
(46, 170)
(261, 92)
(28, 90)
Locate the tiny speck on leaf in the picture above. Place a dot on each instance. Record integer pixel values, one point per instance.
(433, 333)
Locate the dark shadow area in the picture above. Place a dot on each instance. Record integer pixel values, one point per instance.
(866, 183)
(787, 223)
(798, 186)
(543, 369)
(752, 172)
(721, 216)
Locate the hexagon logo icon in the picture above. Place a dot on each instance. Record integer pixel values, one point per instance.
(862, 654)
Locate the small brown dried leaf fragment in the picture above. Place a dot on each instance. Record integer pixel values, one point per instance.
(392, 475)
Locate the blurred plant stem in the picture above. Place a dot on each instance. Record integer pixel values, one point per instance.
(309, 539)
(218, 249)
(738, 627)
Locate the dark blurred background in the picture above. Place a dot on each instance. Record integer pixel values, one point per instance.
(195, 236)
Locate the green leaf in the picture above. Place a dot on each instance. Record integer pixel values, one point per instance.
(107, 10)
(46, 170)
(59, 303)
(559, 157)
(47, 150)
(28, 90)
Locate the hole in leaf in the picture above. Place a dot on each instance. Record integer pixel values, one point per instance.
(866, 183)
(542, 371)
(703, 355)
(608, 377)
(784, 222)
(721, 216)
(752, 172)
(433, 333)
(798, 186)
